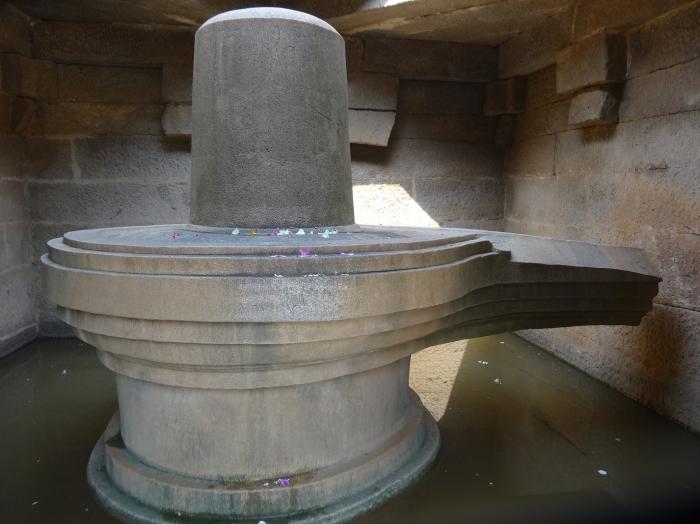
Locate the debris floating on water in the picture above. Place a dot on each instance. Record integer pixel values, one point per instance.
(64, 371)
(483, 362)
(497, 381)
(501, 342)
(602, 472)
(35, 503)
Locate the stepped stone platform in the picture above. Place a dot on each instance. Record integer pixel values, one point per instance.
(262, 352)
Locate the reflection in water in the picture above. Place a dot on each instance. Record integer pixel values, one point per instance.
(525, 448)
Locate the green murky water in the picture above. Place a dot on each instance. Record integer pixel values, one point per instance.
(543, 444)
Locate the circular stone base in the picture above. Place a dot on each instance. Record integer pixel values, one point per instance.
(129, 509)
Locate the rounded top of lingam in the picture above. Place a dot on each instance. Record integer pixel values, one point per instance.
(272, 13)
(270, 141)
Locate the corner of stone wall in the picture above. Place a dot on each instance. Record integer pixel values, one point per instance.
(606, 151)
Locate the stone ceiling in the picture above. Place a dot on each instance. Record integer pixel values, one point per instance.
(489, 22)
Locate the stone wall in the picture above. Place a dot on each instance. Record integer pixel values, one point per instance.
(17, 316)
(634, 182)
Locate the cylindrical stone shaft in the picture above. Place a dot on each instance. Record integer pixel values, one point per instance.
(269, 122)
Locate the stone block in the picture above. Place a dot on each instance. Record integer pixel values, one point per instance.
(354, 50)
(134, 158)
(424, 60)
(449, 98)
(542, 88)
(105, 43)
(598, 59)
(17, 304)
(11, 156)
(6, 102)
(109, 204)
(372, 91)
(544, 120)
(535, 48)
(12, 201)
(417, 159)
(370, 127)
(450, 199)
(67, 118)
(15, 35)
(505, 97)
(465, 128)
(649, 95)
(594, 15)
(28, 77)
(389, 204)
(666, 41)
(650, 169)
(25, 118)
(17, 244)
(79, 83)
(533, 157)
(177, 120)
(49, 159)
(505, 130)
(177, 83)
(594, 107)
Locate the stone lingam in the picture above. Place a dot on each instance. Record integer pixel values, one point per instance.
(262, 351)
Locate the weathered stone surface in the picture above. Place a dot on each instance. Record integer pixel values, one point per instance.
(370, 127)
(505, 97)
(418, 159)
(151, 159)
(450, 199)
(177, 120)
(465, 128)
(594, 107)
(354, 50)
(542, 88)
(16, 307)
(68, 118)
(505, 130)
(6, 102)
(15, 36)
(27, 77)
(535, 48)
(113, 43)
(594, 15)
(598, 59)
(649, 95)
(77, 83)
(49, 159)
(177, 83)
(654, 156)
(420, 60)
(533, 157)
(450, 98)
(372, 91)
(11, 156)
(389, 204)
(285, 125)
(11, 201)
(25, 119)
(666, 41)
(17, 245)
(543, 120)
(109, 203)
